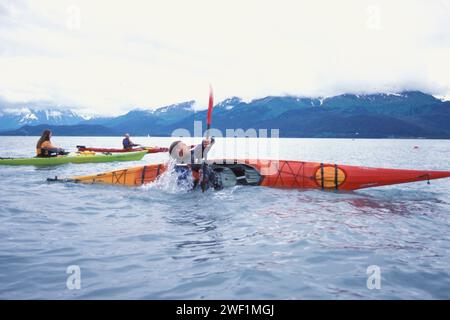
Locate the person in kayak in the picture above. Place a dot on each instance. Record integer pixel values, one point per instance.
(127, 143)
(45, 148)
(188, 161)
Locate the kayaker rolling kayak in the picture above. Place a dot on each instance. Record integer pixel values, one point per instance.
(127, 143)
(188, 162)
(45, 148)
(286, 174)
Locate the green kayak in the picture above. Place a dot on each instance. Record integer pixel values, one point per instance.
(74, 158)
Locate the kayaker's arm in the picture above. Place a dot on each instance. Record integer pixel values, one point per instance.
(200, 151)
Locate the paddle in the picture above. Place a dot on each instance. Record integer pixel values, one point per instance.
(208, 126)
(56, 179)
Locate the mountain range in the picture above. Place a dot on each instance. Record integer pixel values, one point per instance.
(11, 119)
(409, 114)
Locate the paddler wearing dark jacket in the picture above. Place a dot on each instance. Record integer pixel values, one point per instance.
(188, 160)
(127, 143)
(45, 148)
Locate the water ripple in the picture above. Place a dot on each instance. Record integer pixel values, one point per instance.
(238, 243)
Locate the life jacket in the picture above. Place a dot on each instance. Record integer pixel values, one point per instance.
(197, 171)
(48, 150)
(127, 143)
(44, 152)
(184, 170)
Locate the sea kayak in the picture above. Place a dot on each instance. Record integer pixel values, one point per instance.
(74, 158)
(277, 174)
(115, 150)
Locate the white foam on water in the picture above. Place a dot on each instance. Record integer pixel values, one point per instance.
(168, 181)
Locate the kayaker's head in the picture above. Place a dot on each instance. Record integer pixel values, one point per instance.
(178, 150)
(46, 135)
(127, 135)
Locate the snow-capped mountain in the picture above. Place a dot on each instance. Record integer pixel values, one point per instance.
(405, 114)
(13, 118)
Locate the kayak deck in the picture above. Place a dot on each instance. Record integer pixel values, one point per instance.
(77, 158)
(277, 174)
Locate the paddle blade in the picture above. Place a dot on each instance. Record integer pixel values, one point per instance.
(210, 106)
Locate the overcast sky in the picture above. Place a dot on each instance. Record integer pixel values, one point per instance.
(111, 56)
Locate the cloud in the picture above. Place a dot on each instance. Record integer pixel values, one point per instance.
(110, 56)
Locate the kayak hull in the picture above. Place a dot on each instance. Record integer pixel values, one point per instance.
(115, 150)
(80, 158)
(278, 174)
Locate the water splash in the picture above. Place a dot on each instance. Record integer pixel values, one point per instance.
(170, 181)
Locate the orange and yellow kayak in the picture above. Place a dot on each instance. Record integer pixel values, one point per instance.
(278, 174)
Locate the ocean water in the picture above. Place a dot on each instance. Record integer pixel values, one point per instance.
(152, 242)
